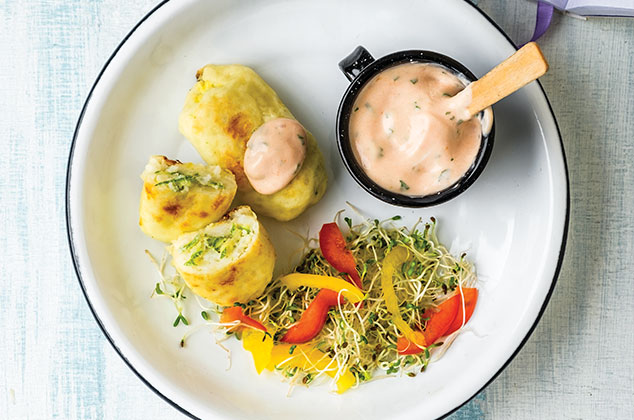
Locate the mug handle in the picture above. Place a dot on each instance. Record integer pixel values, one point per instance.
(356, 61)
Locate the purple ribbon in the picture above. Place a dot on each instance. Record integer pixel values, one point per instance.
(544, 16)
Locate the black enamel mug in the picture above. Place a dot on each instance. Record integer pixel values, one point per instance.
(360, 67)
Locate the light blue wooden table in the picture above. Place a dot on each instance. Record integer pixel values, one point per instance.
(54, 360)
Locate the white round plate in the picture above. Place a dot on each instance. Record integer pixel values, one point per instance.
(512, 222)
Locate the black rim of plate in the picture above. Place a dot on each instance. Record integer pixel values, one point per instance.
(183, 410)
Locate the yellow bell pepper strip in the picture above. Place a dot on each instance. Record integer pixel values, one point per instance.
(395, 258)
(404, 346)
(309, 359)
(345, 382)
(306, 357)
(349, 291)
(260, 345)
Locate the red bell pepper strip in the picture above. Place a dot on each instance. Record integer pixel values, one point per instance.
(437, 325)
(470, 298)
(313, 318)
(234, 313)
(404, 346)
(333, 247)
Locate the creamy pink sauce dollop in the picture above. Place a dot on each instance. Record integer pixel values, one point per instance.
(275, 154)
(407, 133)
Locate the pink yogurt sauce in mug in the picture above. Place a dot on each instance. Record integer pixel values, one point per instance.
(407, 133)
